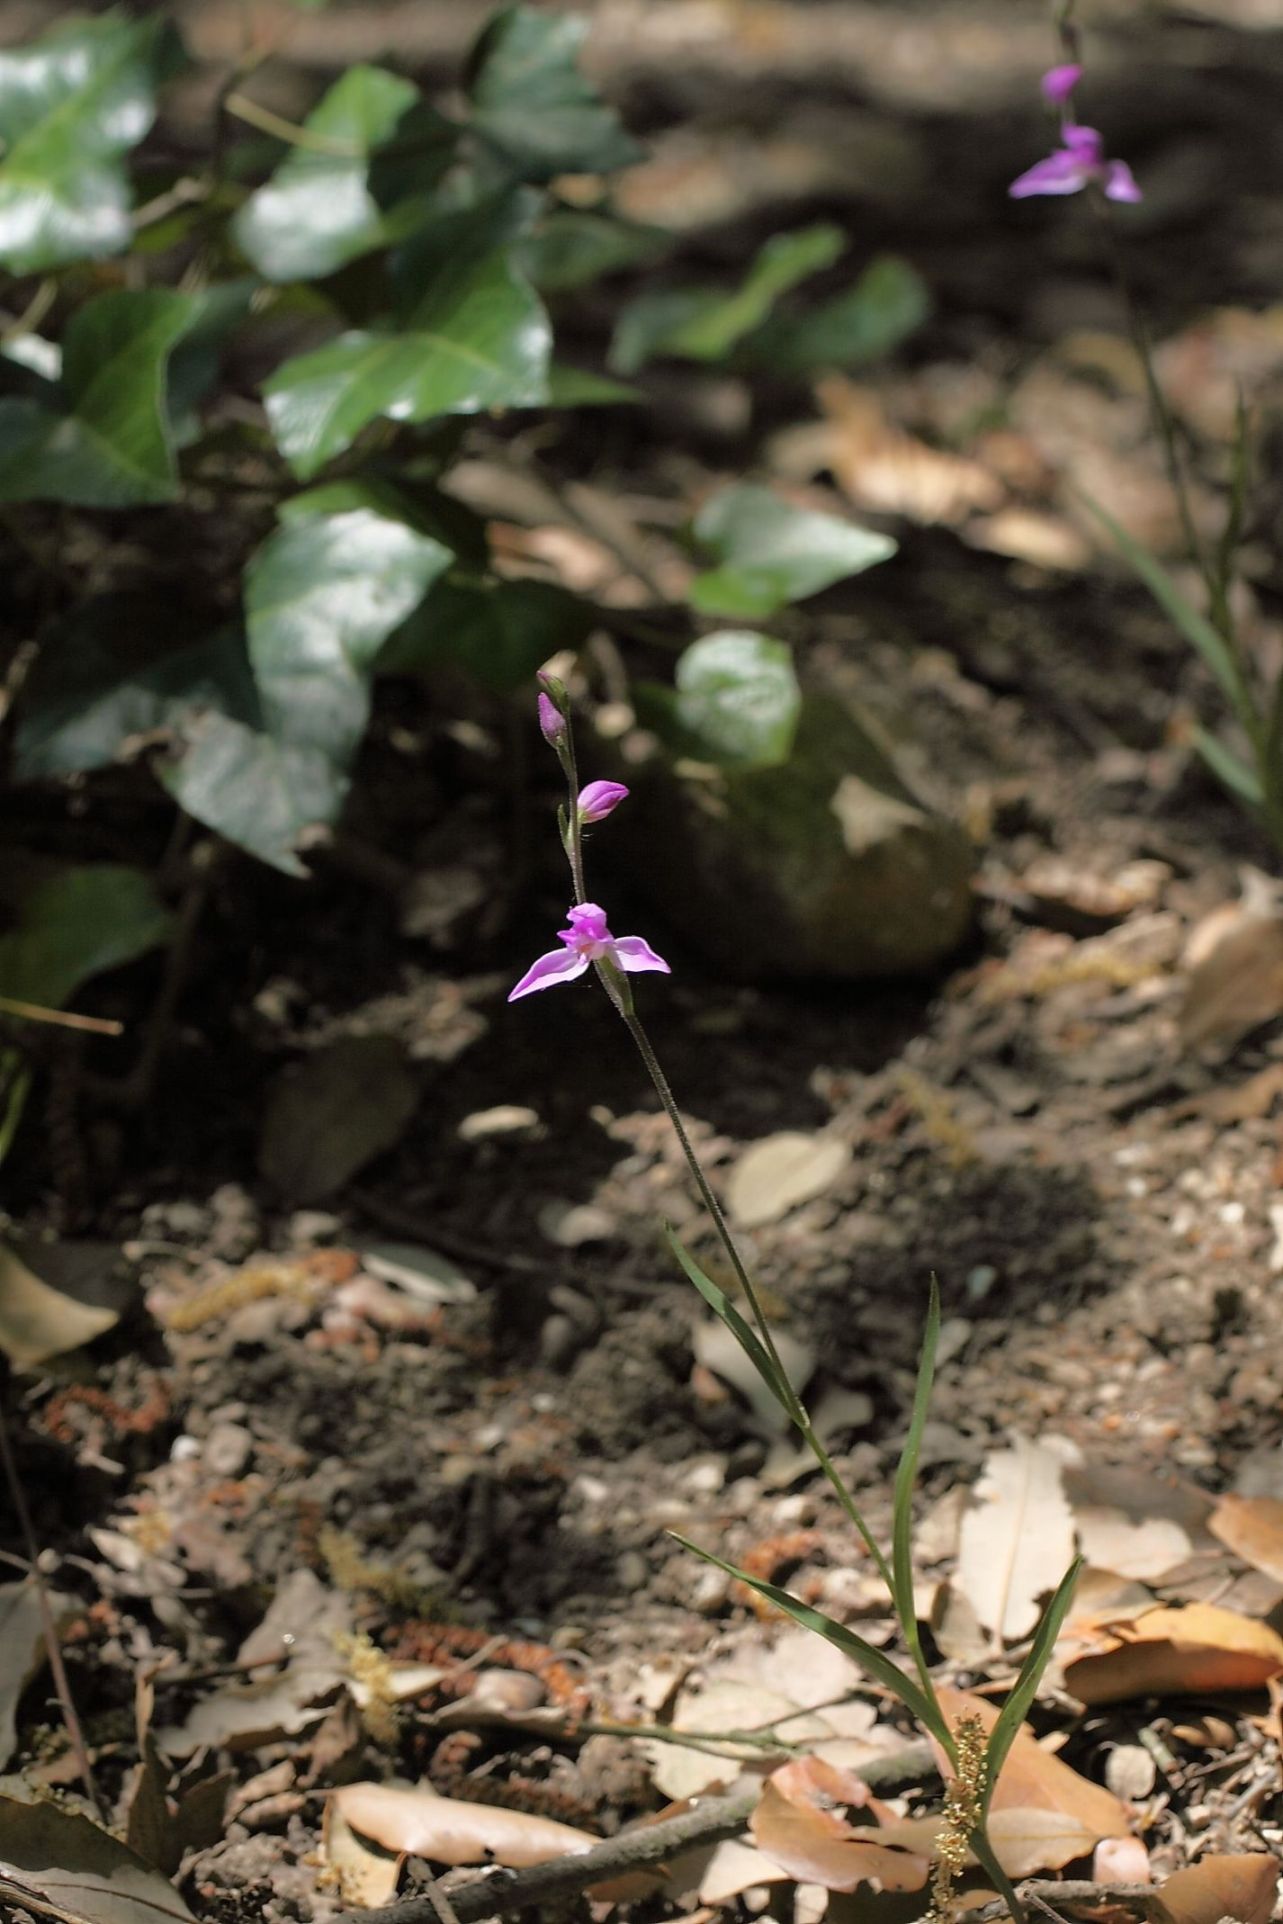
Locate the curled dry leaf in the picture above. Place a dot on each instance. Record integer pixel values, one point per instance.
(1243, 1888)
(446, 1830)
(799, 1824)
(1252, 1527)
(1034, 1783)
(37, 1322)
(1198, 1648)
(884, 469)
(1017, 1540)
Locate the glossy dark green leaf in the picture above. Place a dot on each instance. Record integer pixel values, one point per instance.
(195, 361)
(571, 246)
(736, 701)
(68, 923)
(705, 324)
(108, 677)
(322, 595)
(70, 107)
(888, 302)
(257, 792)
(772, 553)
(319, 209)
(499, 632)
(102, 437)
(530, 101)
(473, 335)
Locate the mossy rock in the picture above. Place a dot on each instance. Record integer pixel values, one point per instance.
(827, 866)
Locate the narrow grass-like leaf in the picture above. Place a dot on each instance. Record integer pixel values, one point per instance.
(906, 1477)
(869, 1658)
(743, 1332)
(1230, 769)
(1196, 628)
(1025, 1688)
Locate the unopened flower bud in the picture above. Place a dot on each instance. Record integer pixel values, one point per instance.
(552, 723)
(598, 799)
(1059, 82)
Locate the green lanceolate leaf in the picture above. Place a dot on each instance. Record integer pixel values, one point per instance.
(771, 553)
(1241, 781)
(741, 1329)
(70, 107)
(531, 103)
(472, 336)
(736, 701)
(705, 324)
(1198, 631)
(67, 924)
(102, 437)
(257, 792)
(497, 631)
(571, 246)
(322, 595)
(887, 304)
(576, 387)
(319, 210)
(869, 1658)
(107, 681)
(1025, 1688)
(906, 1478)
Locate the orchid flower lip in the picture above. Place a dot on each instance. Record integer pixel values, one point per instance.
(588, 939)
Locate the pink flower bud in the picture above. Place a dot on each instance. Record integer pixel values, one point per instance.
(1059, 82)
(552, 723)
(598, 799)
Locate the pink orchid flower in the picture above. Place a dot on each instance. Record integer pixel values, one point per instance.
(1079, 163)
(598, 799)
(588, 940)
(1059, 82)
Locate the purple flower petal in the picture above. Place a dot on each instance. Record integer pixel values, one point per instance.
(1063, 172)
(1120, 182)
(634, 954)
(587, 924)
(1059, 82)
(598, 799)
(562, 965)
(1085, 142)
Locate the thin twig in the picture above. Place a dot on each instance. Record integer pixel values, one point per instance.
(49, 1629)
(61, 1018)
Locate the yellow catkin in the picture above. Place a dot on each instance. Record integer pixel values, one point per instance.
(215, 1302)
(350, 1572)
(963, 1807)
(370, 1668)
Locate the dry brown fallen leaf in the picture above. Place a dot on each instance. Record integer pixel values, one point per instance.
(888, 471)
(1233, 965)
(1199, 1647)
(799, 1824)
(1252, 1527)
(1242, 1888)
(1033, 1780)
(447, 1830)
(1017, 1539)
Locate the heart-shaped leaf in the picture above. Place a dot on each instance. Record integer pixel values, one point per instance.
(322, 595)
(319, 209)
(888, 302)
(102, 437)
(771, 553)
(68, 923)
(705, 324)
(498, 631)
(530, 102)
(736, 702)
(70, 107)
(95, 692)
(473, 335)
(260, 793)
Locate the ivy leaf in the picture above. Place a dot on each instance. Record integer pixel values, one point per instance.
(322, 595)
(68, 923)
(572, 246)
(499, 632)
(473, 335)
(771, 553)
(107, 678)
(736, 702)
(888, 302)
(70, 107)
(320, 210)
(530, 101)
(101, 438)
(705, 324)
(260, 793)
